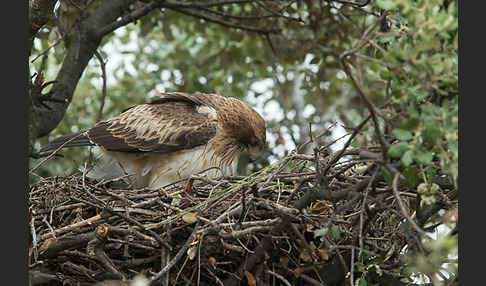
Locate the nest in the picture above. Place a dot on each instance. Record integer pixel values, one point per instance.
(299, 222)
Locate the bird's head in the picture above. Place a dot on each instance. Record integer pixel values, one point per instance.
(255, 138)
(245, 125)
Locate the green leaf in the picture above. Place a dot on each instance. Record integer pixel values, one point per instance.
(387, 175)
(335, 232)
(386, 4)
(386, 39)
(321, 232)
(406, 280)
(407, 158)
(424, 157)
(396, 150)
(411, 176)
(431, 174)
(431, 133)
(411, 124)
(421, 95)
(362, 282)
(402, 135)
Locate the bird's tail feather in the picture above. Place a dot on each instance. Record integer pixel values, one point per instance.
(73, 140)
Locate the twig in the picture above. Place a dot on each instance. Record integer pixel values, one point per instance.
(97, 244)
(279, 13)
(223, 23)
(103, 90)
(336, 157)
(176, 258)
(52, 154)
(351, 276)
(280, 277)
(164, 259)
(244, 232)
(71, 227)
(232, 247)
(129, 18)
(361, 215)
(44, 53)
(402, 207)
(34, 239)
(356, 4)
(309, 249)
(109, 209)
(207, 4)
(251, 17)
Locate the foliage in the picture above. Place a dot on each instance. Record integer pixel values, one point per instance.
(422, 63)
(401, 54)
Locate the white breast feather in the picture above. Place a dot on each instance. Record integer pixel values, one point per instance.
(157, 170)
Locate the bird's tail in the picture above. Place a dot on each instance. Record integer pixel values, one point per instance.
(73, 140)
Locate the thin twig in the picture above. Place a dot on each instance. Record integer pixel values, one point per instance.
(225, 23)
(176, 258)
(402, 207)
(371, 107)
(336, 157)
(361, 215)
(103, 90)
(53, 153)
(280, 277)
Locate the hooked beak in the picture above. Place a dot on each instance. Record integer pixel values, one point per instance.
(254, 153)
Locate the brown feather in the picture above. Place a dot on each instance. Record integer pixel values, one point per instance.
(160, 127)
(172, 137)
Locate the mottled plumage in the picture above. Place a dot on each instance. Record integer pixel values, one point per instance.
(171, 138)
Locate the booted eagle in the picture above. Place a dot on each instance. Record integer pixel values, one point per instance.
(171, 138)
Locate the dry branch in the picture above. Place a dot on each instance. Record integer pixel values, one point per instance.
(229, 229)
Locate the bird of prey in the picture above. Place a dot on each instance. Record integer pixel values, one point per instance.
(177, 135)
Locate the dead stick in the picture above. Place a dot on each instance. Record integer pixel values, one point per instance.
(402, 207)
(52, 154)
(103, 90)
(176, 258)
(71, 227)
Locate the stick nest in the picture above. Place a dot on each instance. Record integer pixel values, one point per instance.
(299, 222)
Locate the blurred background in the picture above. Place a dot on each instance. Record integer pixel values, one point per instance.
(293, 79)
(307, 66)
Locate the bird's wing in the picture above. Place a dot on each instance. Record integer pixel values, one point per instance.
(173, 122)
(72, 140)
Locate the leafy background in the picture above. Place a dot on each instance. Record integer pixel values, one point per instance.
(295, 79)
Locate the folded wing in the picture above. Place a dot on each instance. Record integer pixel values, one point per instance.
(174, 122)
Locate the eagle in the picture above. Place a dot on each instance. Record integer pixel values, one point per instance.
(177, 135)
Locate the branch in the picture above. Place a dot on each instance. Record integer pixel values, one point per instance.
(52, 154)
(402, 207)
(206, 5)
(325, 194)
(103, 91)
(40, 12)
(272, 14)
(135, 15)
(223, 23)
(355, 4)
(336, 157)
(177, 257)
(83, 45)
(369, 104)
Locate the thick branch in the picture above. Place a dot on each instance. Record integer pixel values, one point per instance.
(84, 40)
(83, 43)
(207, 4)
(137, 14)
(224, 23)
(40, 12)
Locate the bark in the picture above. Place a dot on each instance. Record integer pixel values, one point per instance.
(40, 12)
(84, 40)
